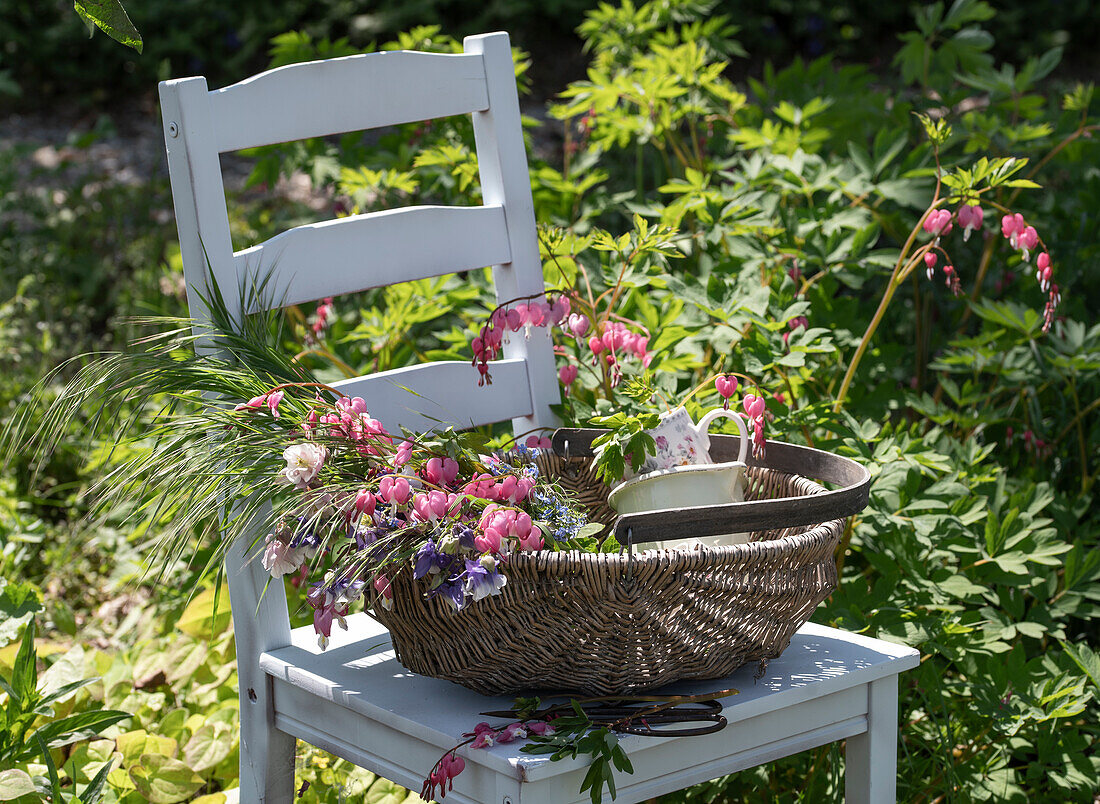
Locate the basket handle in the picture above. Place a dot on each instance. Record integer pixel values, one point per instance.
(711, 520)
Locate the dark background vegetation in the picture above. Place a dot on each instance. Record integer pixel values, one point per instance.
(47, 51)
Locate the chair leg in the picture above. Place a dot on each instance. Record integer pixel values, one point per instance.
(871, 771)
(259, 623)
(267, 754)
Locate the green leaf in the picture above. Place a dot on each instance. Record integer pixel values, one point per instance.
(18, 604)
(960, 586)
(164, 780)
(110, 17)
(207, 615)
(1085, 658)
(383, 791)
(209, 746)
(15, 783)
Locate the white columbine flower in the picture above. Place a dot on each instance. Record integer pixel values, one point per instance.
(303, 462)
(280, 558)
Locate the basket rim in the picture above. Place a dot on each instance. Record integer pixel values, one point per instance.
(709, 557)
(852, 497)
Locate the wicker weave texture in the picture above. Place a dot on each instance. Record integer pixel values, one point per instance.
(599, 624)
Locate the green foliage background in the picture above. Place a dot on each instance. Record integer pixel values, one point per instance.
(793, 184)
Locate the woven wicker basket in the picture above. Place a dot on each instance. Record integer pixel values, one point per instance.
(598, 624)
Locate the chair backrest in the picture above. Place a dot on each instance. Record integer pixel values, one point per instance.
(358, 252)
(363, 251)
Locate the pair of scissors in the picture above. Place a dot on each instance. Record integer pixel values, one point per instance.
(641, 715)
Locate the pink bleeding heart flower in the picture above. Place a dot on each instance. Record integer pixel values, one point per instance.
(507, 486)
(726, 386)
(559, 309)
(483, 740)
(951, 280)
(382, 587)
(1012, 226)
(595, 343)
(524, 486)
(365, 502)
(938, 222)
(433, 471)
(510, 733)
(403, 454)
(537, 313)
(532, 541)
(273, 400)
(578, 325)
(567, 375)
(1026, 241)
(539, 727)
(1044, 273)
(490, 541)
(754, 406)
(930, 260)
(394, 490)
(523, 313)
(430, 507)
(970, 218)
(441, 471)
(515, 319)
(450, 767)
(254, 402)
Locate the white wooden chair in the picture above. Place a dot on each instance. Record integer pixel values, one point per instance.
(355, 700)
(352, 254)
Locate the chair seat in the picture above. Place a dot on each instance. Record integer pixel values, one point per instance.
(398, 724)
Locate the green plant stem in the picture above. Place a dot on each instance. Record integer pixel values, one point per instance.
(901, 272)
(845, 541)
(918, 334)
(1086, 481)
(1089, 408)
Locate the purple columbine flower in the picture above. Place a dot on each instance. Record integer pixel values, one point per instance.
(427, 558)
(309, 542)
(466, 537)
(452, 591)
(480, 582)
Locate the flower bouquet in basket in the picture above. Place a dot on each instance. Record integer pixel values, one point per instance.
(377, 506)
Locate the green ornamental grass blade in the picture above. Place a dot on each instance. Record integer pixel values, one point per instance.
(24, 674)
(94, 791)
(111, 18)
(68, 729)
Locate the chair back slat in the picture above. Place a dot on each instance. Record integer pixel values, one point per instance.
(433, 395)
(319, 98)
(374, 250)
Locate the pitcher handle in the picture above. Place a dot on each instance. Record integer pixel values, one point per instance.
(705, 422)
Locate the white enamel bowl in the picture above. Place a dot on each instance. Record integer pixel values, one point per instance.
(684, 487)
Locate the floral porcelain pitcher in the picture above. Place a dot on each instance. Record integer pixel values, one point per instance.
(682, 442)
